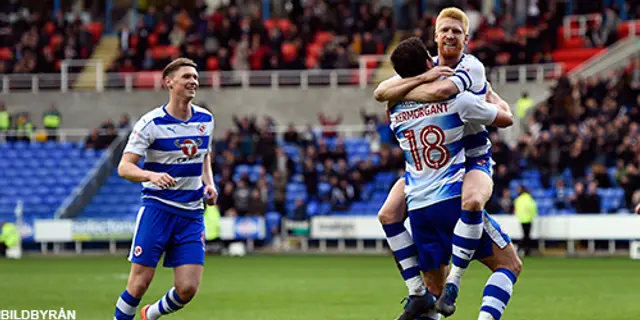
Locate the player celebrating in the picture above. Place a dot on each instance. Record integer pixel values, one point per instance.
(451, 36)
(176, 141)
(432, 136)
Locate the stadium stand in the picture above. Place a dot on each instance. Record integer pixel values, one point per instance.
(579, 153)
(322, 36)
(42, 175)
(573, 159)
(330, 36)
(33, 41)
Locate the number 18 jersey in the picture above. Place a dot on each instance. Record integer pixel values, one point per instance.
(431, 136)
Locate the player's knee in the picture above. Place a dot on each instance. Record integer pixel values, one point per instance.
(138, 285)
(473, 202)
(186, 291)
(387, 216)
(516, 266)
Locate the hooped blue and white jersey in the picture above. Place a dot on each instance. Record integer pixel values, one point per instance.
(470, 77)
(432, 136)
(178, 148)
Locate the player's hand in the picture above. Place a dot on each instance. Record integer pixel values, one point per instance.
(437, 72)
(162, 180)
(210, 194)
(638, 209)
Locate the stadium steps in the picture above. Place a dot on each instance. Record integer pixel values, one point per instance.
(385, 70)
(107, 51)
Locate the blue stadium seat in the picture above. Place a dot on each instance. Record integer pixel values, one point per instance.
(291, 150)
(273, 219)
(324, 188)
(312, 208)
(296, 187)
(331, 143)
(44, 174)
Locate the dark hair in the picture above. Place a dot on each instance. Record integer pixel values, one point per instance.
(176, 64)
(409, 58)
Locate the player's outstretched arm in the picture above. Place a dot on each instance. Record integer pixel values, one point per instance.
(129, 170)
(397, 88)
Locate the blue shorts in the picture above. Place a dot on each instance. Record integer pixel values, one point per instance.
(432, 231)
(483, 163)
(180, 238)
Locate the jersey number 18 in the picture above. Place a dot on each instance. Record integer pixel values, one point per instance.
(434, 152)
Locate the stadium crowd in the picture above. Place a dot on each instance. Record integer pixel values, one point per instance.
(332, 34)
(35, 42)
(318, 36)
(581, 141)
(584, 138)
(332, 180)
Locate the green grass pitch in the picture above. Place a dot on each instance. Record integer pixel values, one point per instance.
(321, 287)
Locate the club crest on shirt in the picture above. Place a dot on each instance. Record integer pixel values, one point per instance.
(189, 146)
(202, 128)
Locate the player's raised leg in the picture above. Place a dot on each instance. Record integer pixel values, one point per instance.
(186, 283)
(139, 279)
(146, 248)
(186, 256)
(476, 191)
(506, 266)
(392, 216)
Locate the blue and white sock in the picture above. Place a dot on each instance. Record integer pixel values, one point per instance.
(406, 254)
(170, 303)
(496, 294)
(466, 237)
(126, 306)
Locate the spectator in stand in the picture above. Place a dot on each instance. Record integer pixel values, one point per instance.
(279, 192)
(257, 206)
(629, 180)
(125, 122)
(339, 198)
(329, 125)
(5, 119)
(51, 120)
(242, 197)
(506, 201)
(92, 139)
(299, 211)
(291, 136)
(561, 199)
(284, 164)
(501, 179)
(225, 202)
(586, 201)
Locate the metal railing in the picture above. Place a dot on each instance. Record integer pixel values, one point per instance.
(40, 135)
(93, 180)
(583, 21)
(151, 80)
